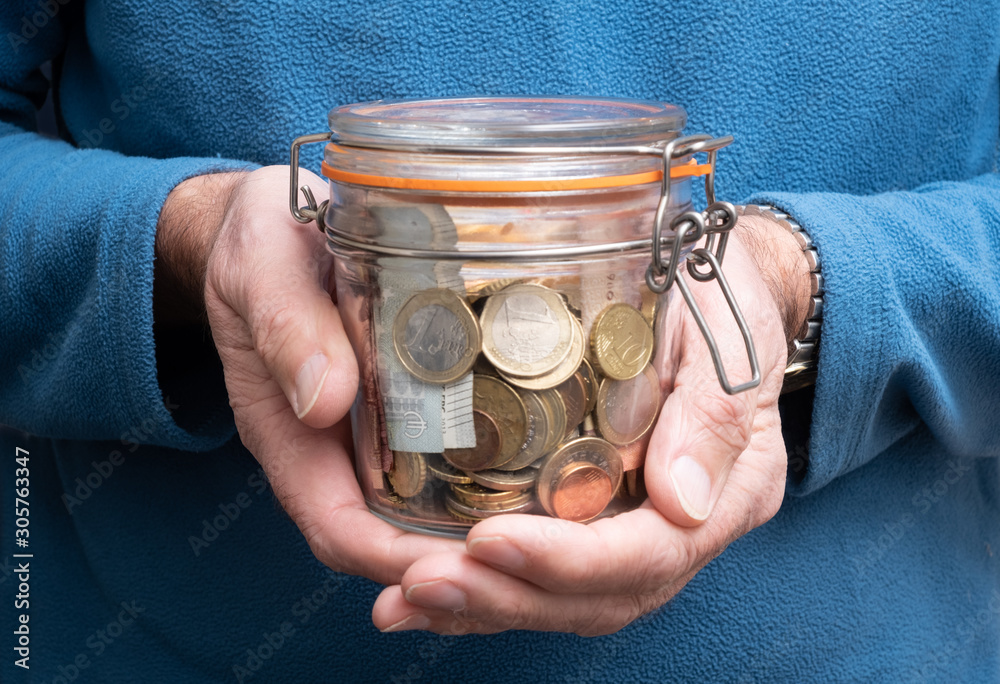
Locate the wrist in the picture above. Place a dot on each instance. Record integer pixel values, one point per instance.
(783, 266)
(185, 231)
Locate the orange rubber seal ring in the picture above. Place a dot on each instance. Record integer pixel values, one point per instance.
(688, 170)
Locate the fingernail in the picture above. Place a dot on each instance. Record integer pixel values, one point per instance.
(308, 382)
(692, 486)
(497, 551)
(412, 622)
(440, 594)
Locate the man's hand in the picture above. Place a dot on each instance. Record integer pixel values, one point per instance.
(290, 370)
(715, 469)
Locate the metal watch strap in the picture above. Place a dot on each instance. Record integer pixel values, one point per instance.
(803, 351)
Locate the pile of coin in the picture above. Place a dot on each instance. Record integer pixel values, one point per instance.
(559, 416)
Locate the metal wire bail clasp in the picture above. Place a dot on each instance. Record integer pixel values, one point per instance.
(312, 211)
(689, 227)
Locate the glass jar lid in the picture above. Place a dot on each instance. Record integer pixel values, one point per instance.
(405, 144)
(506, 121)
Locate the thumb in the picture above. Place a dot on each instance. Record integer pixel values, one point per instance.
(274, 274)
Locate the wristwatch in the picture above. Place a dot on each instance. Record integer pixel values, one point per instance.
(803, 352)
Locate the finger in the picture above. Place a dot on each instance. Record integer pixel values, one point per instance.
(313, 477)
(274, 272)
(637, 552)
(457, 595)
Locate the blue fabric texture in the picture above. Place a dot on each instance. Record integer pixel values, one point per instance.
(875, 124)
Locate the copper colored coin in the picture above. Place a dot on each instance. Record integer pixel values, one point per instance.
(489, 441)
(583, 490)
(578, 481)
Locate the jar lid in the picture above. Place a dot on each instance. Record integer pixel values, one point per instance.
(456, 145)
(506, 121)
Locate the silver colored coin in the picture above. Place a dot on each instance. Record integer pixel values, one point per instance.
(527, 330)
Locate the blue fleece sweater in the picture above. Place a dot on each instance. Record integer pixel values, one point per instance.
(874, 123)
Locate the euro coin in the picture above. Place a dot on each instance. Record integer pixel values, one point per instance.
(513, 481)
(436, 336)
(626, 409)
(578, 481)
(444, 471)
(489, 441)
(621, 342)
(506, 408)
(527, 330)
(536, 438)
(574, 396)
(408, 473)
(569, 365)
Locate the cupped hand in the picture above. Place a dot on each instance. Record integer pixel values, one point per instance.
(715, 469)
(291, 373)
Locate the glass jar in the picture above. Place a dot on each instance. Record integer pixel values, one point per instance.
(503, 266)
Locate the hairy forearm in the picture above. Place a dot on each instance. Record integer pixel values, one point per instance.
(185, 232)
(783, 267)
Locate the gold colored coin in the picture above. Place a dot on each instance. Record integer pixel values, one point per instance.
(579, 479)
(436, 336)
(527, 330)
(650, 305)
(537, 433)
(408, 473)
(489, 443)
(626, 409)
(476, 495)
(564, 370)
(556, 410)
(574, 396)
(457, 508)
(621, 341)
(444, 471)
(514, 481)
(499, 400)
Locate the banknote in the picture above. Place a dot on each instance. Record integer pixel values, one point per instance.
(419, 416)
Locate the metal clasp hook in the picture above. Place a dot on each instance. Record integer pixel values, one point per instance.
(312, 211)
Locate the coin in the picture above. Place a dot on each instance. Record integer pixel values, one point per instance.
(476, 495)
(527, 330)
(408, 474)
(578, 480)
(555, 409)
(574, 396)
(626, 409)
(489, 442)
(444, 471)
(514, 481)
(650, 305)
(461, 511)
(621, 341)
(436, 336)
(503, 405)
(590, 384)
(537, 433)
(564, 370)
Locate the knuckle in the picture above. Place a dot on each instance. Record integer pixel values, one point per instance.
(273, 328)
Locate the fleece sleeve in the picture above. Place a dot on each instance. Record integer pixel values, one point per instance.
(910, 336)
(77, 357)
